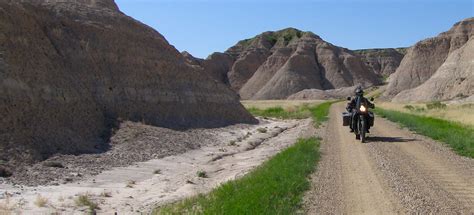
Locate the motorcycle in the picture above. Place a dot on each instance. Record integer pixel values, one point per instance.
(365, 119)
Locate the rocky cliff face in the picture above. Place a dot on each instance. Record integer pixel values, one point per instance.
(274, 65)
(383, 62)
(453, 80)
(71, 69)
(424, 58)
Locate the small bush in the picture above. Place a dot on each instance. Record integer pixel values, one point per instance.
(202, 174)
(41, 201)
(262, 130)
(409, 107)
(84, 200)
(435, 105)
(419, 109)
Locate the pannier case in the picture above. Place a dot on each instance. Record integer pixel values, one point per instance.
(371, 119)
(346, 118)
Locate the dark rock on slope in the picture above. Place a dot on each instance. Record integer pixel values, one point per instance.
(425, 57)
(274, 65)
(384, 62)
(71, 69)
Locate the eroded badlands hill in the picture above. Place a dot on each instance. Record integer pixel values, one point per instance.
(453, 80)
(384, 62)
(70, 70)
(425, 58)
(274, 65)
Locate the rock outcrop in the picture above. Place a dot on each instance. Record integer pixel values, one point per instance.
(384, 62)
(275, 65)
(424, 58)
(453, 80)
(71, 69)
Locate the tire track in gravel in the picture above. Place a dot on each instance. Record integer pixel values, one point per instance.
(436, 180)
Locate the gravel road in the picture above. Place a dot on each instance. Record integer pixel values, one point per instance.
(395, 172)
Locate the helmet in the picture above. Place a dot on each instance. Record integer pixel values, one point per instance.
(359, 92)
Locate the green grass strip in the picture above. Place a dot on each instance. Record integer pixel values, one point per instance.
(319, 113)
(275, 187)
(458, 136)
(301, 112)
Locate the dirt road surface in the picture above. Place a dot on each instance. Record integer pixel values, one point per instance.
(395, 172)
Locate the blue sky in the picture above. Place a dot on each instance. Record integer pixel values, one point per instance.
(205, 26)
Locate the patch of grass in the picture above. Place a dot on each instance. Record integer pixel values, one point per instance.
(435, 105)
(201, 174)
(41, 201)
(84, 200)
(275, 187)
(458, 136)
(279, 112)
(409, 107)
(318, 112)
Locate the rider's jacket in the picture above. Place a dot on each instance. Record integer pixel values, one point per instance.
(357, 101)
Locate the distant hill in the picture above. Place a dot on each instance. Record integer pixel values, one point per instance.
(275, 65)
(384, 62)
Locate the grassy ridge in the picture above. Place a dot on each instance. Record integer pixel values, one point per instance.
(275, 187)
(301, 112)
(457, 136)
(319, 113)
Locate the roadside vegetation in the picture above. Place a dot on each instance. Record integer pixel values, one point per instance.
(458, 136)
(461, 113)
(275, 187)
(318, 112)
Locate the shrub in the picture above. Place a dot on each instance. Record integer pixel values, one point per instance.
(202, 174)
(41, 201)
(435, 105)
(409, 107)
(84, 200)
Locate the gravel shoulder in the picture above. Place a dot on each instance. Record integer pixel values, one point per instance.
(223, 154)
(396, 172)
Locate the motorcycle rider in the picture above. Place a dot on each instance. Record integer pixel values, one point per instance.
(355, 104)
